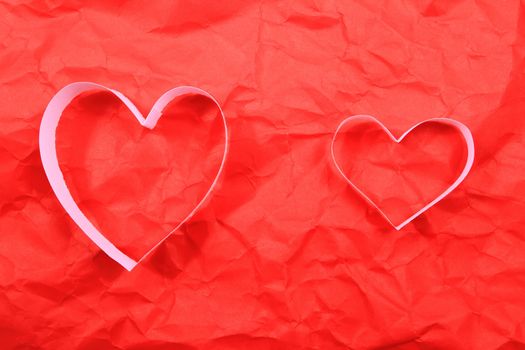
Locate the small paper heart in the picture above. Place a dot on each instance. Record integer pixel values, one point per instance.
(403, 177)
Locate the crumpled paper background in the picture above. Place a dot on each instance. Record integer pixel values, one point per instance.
(285, 255)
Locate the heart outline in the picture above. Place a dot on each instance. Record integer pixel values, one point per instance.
(48, 155)
(463, 129)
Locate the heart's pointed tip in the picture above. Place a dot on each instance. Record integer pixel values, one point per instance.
(400, 227)
(129, 267)
(128, 264)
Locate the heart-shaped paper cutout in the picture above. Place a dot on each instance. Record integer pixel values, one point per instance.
(467, 137)
(49, 157)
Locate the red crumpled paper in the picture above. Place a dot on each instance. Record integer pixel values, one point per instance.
(285, 255)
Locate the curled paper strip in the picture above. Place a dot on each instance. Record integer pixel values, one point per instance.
(463, 129)
(48, 154)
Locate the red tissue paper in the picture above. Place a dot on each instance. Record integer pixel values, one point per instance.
(285, 254)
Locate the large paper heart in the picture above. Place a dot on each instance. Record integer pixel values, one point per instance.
(48, 154)
(464, 131)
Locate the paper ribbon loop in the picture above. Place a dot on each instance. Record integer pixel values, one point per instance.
(49, 158)
(463, 129)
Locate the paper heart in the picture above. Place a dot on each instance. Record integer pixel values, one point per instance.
(49, 158)
(465, 132)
